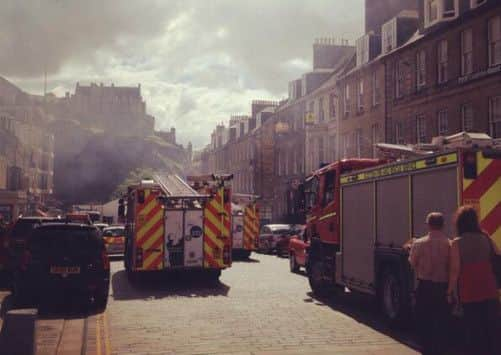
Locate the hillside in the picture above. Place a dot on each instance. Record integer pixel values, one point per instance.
(90, 164)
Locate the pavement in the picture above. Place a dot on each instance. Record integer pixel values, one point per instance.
(258, 307)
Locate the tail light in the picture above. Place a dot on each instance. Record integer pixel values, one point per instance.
(105, 260)
(25, 260)
(226, 255)
(139, 257)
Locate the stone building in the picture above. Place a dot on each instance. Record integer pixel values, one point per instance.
(447, 77)
(26, 153)
(117, 110)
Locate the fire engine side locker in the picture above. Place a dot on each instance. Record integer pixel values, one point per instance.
(393, 209)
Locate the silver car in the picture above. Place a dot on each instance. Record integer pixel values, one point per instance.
(269, 236)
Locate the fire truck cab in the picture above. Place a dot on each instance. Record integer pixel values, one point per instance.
(171, 226)
(361, 214)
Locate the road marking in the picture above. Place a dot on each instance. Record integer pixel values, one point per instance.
(102, 335)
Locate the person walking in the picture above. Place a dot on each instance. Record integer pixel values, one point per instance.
(429, 257)
(472, 274)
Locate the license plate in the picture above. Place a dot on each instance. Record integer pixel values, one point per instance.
(65, 270)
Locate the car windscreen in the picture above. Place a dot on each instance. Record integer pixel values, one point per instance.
(116, 232)
(70, 241)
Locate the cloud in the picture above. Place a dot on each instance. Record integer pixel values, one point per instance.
(198, 61)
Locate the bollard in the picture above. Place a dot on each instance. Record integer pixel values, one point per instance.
(18, 332)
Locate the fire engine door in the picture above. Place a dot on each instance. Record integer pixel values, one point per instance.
(238, 232)
(193, 238)
(174, 241)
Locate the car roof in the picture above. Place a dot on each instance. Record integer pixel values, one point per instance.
(67, 226)
(113, 227)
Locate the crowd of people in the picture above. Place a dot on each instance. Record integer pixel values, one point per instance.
(461, 272)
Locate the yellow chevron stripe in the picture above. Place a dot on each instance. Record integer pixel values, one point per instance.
(209, 251)
(209, 233)
(154, 237)
(490, 199)
(217, 223)
(482, 163)
(145, 228)
(149, 260)
(147, 209)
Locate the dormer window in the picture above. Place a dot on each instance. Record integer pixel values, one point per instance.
(389, 36)
(439, 10)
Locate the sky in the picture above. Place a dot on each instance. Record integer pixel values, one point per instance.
(198, 61)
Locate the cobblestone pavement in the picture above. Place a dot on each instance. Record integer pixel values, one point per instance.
(258, 308)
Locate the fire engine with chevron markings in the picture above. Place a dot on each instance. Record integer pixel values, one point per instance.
(172, 224)
(361, 213)
(245, 224)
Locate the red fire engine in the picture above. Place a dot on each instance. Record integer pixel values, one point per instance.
(170, 225)
(360, 213)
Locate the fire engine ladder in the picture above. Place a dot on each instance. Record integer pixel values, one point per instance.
(175, 186)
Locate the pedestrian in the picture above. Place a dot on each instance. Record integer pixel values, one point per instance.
(472, 274)
(429, 257)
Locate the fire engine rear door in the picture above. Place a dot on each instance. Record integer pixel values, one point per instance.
(174, 241)
(238, 231)
(193, 238)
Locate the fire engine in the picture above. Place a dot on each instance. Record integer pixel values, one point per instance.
(245, 224)
(172, 226)
(361, 213)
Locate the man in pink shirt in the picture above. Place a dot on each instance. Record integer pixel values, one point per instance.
(429, 257)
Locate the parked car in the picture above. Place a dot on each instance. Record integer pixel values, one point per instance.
(62, 259)
(298, 250)
(269, 236)
(114, 240)
(282, 247)
(19, 235)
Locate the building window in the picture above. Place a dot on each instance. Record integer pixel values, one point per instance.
(374, 139)
(495, 41)
(334, 148)
(420, 69)
(345, 142)
(420, 129)
(438, 10)
(347, 100)
(333, 104)
(321, 113)
(362, 48)
(467, 117)
(495, 117)
(357, 139)
(442, 59)
(442, 122)
(389, 36)
(399, 79)
(360, 97)
(375, 89)
(399, 133)
(466, 52)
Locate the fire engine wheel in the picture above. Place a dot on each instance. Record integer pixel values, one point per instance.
(319, 285)
(392, 297)
(294, 267)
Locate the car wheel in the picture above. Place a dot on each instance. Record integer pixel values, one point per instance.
(393, 298)
(294, 267)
